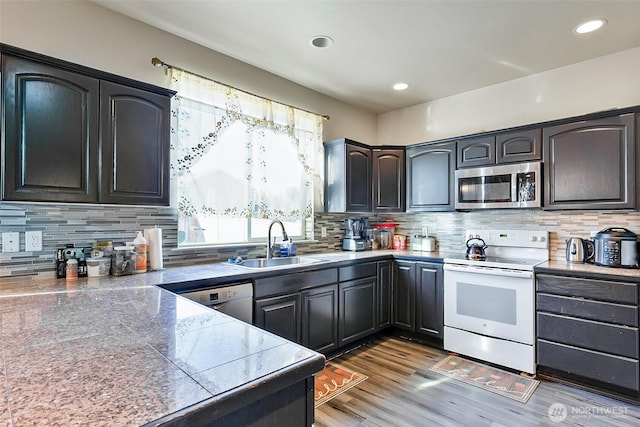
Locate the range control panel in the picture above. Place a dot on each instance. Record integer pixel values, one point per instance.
(514, 238)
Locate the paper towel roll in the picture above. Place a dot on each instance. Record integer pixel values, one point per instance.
(154, 242)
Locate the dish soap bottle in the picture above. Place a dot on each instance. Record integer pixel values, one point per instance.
(140, 244)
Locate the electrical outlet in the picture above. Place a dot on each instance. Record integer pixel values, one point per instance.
(33, 241)
(323, 232)
(11, 242)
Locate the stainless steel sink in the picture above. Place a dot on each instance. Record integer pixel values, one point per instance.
(277, 262)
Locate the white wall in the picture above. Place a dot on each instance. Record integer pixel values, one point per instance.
(611, 81)
(88, 34)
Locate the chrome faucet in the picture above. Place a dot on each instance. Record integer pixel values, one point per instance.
(284, 236)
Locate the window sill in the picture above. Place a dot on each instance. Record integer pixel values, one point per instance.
(214, 247)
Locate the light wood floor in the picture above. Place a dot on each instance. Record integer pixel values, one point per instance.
(402, 391)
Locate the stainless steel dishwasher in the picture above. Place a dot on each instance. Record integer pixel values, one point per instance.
(235, 300)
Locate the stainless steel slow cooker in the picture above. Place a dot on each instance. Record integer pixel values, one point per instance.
(616, 247)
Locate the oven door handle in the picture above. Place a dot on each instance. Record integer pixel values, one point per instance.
(490, 271)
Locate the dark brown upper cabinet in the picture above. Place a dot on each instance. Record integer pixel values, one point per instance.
(431, 177)
(510, 147)
(590, 164)
(359, 178)
(348, 176)
(520, 146)
(476, 152)
(51, 133)
(135, 145)
(388, 179)
(74, 134)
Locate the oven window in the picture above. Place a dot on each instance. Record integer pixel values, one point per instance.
(486, 303)
(483, 189)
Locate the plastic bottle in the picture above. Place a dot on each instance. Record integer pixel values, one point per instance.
(140, 244)
(284, 248)
(71, 273)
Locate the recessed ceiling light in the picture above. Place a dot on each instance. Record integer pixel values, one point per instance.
(400, 86)
(589, 26)
(321, 41)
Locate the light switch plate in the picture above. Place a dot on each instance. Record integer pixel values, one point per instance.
(33, 241)
(11, 242)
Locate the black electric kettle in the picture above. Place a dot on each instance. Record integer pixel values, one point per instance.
(475, 248)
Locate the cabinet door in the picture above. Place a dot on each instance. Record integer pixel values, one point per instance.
(430, 177)
(429, 299)
(135, 145)
(590, 164)
(357, 309)
(280, 315)
(388, 180)
(385, 281)
(404, 295)
(320, 318)
(51, 133)
(359, 179)
(522, 146)
(479, 151)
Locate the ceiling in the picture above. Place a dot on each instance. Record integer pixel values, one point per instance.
(439, 47)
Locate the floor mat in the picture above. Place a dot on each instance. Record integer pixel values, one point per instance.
(334, 380)
(488, 378)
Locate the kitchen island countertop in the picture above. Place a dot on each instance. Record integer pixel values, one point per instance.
(122, 351)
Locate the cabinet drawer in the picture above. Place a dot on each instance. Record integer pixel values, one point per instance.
(588, 309)
(358, 271)
(619, 340)
(606, 368)
(603, 290)
(294, 282)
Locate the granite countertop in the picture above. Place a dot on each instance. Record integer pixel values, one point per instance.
(125, 351)
(589, 270)
(122, 351)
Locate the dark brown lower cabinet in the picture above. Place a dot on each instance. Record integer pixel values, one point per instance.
(587, 328)
(404, 291)
(418, 297)
(385, 286)
(357, 309)
(280, 315)
(301, 307)
(320, 318)
(325, 310)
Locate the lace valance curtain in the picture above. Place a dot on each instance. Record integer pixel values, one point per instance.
(238, 155)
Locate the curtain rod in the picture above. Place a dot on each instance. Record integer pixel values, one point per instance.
(157, 62)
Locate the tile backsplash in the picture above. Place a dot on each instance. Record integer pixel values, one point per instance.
(84, 224)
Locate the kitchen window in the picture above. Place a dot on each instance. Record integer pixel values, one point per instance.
(240, 161)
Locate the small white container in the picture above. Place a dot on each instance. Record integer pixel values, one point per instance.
(423, 243)
(98, 267)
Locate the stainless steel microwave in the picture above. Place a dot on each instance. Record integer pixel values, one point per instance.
(517, 185)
